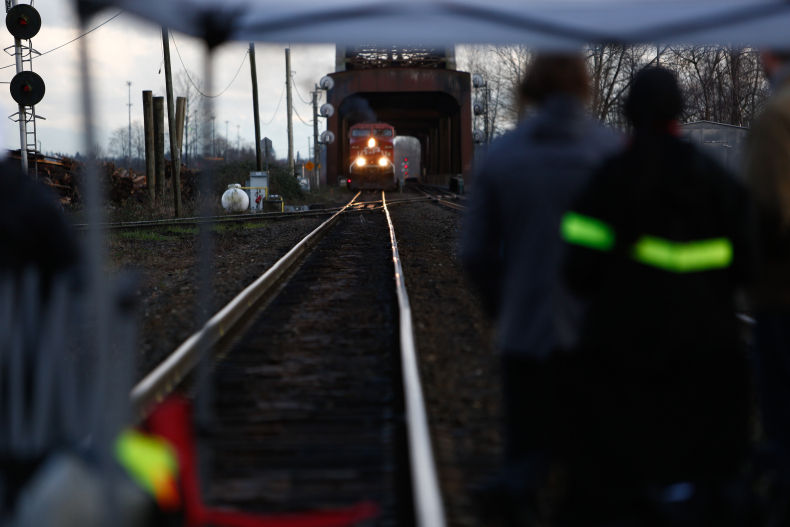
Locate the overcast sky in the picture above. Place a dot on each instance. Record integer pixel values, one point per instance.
(130, 49)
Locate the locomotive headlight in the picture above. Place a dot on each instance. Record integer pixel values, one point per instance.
(371, 143)
(383, 161)
(361, 162)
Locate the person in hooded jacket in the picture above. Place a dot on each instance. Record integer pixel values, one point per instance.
(659, 243)
(512, 251)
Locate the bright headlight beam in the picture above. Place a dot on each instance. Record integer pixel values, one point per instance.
(383, 161)
(361, 162)
(371, 143)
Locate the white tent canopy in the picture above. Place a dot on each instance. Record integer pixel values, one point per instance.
(539, 23)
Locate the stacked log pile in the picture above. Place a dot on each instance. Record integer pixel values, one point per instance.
(65, 177)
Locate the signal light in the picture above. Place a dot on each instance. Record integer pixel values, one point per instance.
(406, 159)
(27, 88)
(23, 21)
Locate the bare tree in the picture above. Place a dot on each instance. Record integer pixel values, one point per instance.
(503, 68)
(721, 84)
(119, 144)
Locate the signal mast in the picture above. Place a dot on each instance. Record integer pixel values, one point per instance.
(27, 87)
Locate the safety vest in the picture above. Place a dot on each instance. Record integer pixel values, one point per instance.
(152, 463)
(671, 256)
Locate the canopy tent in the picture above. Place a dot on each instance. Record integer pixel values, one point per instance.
(538, 23)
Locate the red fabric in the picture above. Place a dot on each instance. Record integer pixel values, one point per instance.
(172, 420)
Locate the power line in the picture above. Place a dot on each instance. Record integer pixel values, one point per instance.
(278, 107)
(193, 82)
(300, 117)
(299, 94)
(70, 41)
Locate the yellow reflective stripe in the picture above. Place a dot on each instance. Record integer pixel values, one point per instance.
(592, 233)
(683, 257)
(149, 460)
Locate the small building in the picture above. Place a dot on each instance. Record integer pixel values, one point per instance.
(725, 143)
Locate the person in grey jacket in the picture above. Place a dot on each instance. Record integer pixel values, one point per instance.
(512, 250)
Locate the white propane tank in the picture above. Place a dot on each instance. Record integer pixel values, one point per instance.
(234, 199)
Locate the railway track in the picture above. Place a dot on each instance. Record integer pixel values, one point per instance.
(317, 397)
(440, 196)
(368, 206)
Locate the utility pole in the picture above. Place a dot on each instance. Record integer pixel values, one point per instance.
(129, 84)
(289, 101)
(227, 138)
(315, 135)
(255, 111)
(213, 143)
(487, 98)
(175, 156)
(238, 142)
(150, 144)
(159, 147)
(186, 132)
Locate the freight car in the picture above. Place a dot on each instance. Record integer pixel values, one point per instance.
(372, 149)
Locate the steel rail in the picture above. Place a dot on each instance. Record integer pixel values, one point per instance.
(165, 377)
(429, 510)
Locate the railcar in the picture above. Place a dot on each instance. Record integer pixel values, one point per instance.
(372, 154)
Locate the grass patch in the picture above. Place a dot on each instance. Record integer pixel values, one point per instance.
(177, 229)
(230, 227)
(143, 236)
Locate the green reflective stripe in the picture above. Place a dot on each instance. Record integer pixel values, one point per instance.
(148, 459)
(683, 257)
(592, 233)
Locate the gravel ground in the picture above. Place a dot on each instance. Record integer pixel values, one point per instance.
(459, 369)
(164, 263)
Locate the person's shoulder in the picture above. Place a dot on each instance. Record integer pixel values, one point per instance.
(512, 138)
(504, 149)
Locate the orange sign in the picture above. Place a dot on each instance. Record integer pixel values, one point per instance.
(309, 165)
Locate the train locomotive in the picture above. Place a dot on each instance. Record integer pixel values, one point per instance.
(372, 149)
